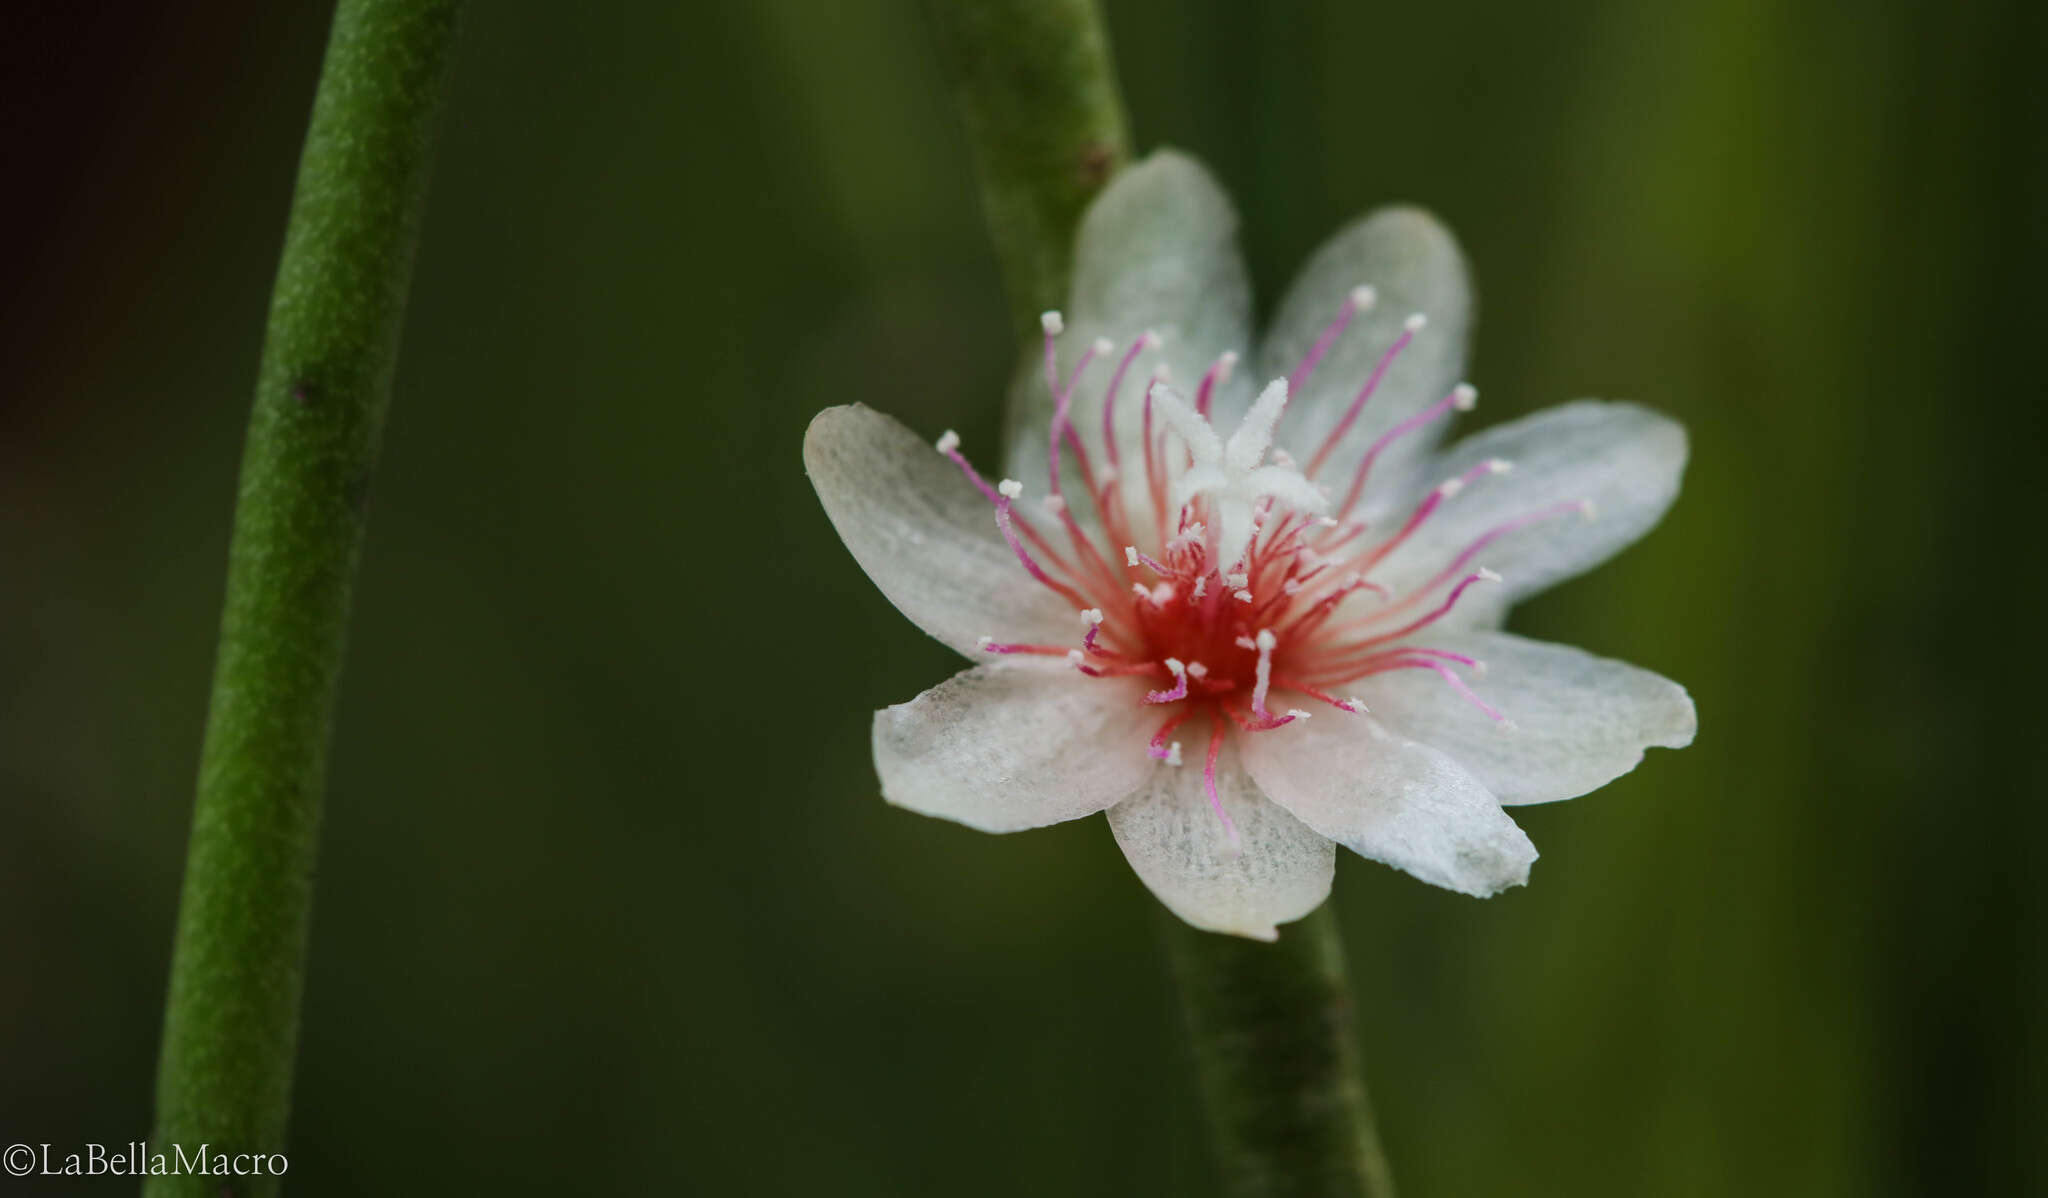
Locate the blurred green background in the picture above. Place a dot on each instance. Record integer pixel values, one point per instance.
(608, 900)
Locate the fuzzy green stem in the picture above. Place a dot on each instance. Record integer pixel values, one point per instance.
(232, 1016)
(1038, 94)
(1271, 1027)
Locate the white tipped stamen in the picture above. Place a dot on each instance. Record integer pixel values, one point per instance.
(1363, 298)
(1354, 705)
(1415, 322)
(1326, 522)
(1245, 642)
(1104, 346)
(1010, 488)
(1053, 323)
(1175, 666)
(1296, 713)
(1201, 587)
(1054, 504)
(983, 642)
(1163, 594)
(1130, 555)
(1236, 580)
(1091, 615)
(1450, 487)
(1499, 466)
(1478, 669)
(1265, 640)
(1162, 373)
(949, 441)
(1464, 397)
(1587, 509)
(1074, 657)
(1173, 753)
(1508, 726)
(1197, 670)
(1242, 596)
(1486, 575)
(1152, 339)
(1224, 365)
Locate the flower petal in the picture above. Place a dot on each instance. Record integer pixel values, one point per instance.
(924, 535)
(1624, 460)
(1182, 852)
(1580, 721)
(1414, 265)
(1014, 745)
(1156, 250)
(1386, 797)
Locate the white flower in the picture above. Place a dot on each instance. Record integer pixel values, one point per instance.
(1176, 597)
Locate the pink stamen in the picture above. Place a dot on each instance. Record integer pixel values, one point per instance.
(1218, 372)
(1209, 785)
(1004, 522)
(1354, 303)
(1116, 380)
(1372, 383)
(1180, 685)
(1462, 397)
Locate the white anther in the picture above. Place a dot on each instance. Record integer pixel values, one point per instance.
(983, 642)
(1138, 589)
(1415, 322)
(1354, 705)
(1173, 753)
(1163, 594)
(1201, 586)
(1450, 487)
(1104, 345)
(1486, 575)
(1197, 670)
(1224, 365)
(1091, 615)
(1010, 488)
(1054, 504)
(1498, 465)
(1587, 509)
(1478, 669)
(1236, 580)
(1326, 522)
(1162, 373)
(1175, 666)
(1130, 555)
(1074, 657)
(1363, 297)
(1297, 713)
(1464, 397)
(1508, 726)
(949, 441)
(1265, 640)
(1242, 596)
(1245, 642)
(1152, 339)
(1052, 322)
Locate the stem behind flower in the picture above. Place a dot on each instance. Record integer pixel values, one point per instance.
(1038, 93)
(1271, 1029)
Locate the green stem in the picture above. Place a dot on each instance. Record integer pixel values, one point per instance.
(231, 1020)
(1271, 1023)
(1038, 94)
(1271, 1027)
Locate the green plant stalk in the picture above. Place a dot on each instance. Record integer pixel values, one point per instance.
(1273, 1044)
(1037, 91)
(232, 1016)
(1270, 1022)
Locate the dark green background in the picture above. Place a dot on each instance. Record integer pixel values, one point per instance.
(608, 900)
